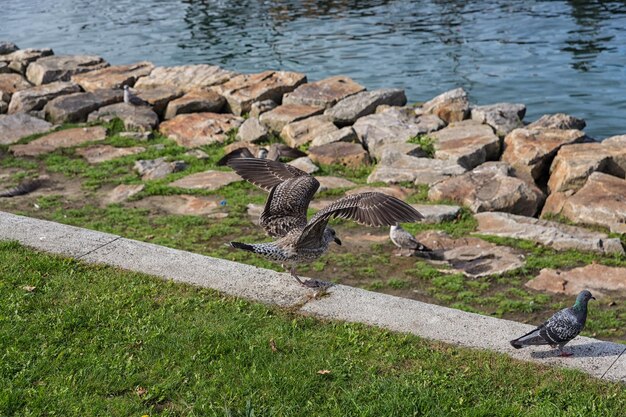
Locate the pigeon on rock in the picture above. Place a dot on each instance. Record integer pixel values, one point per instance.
(405, 241)
(133, 99)
(560, 328)
(285, 213)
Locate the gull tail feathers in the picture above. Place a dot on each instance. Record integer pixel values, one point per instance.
(244, 246)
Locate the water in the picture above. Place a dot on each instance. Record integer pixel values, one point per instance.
(553, 56)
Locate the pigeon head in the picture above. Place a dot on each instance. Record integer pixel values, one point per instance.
(584, 297)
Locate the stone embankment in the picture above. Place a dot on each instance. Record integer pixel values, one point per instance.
(487, 158)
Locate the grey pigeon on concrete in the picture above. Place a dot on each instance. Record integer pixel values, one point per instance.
(405, 241)
(131, 98)
(274, 153)
(562, 327)
(284, 215)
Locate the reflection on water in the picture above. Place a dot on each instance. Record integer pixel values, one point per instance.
(567, 56)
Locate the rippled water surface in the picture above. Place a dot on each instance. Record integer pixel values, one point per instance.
(554, 56)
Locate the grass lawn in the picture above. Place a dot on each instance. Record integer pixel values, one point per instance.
(77, 339)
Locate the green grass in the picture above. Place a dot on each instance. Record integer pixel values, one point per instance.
(97, 341)
(427, 144)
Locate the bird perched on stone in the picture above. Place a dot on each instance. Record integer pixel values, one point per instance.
(562, 327)
(405, 241)
(274, 153)
(285, 213)
(131, 98)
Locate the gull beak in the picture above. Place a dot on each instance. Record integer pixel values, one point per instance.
(593, 298)
(337, 241)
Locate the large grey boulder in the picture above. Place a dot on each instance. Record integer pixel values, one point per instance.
(195, 101)
(555, 235)
(324, 93)
(243, 90)
(345, 134)
(134, 117)
(7, 47)
(62, 67)
(348, 110)
(393, 126)
(490, 187)
(468, 143)
(395, 167)
(502, 117)
(159, 97)
(301, 132)
(16, 126)
(276, 119)
(11, 83)
(113, 77)
(35, 98)
(19, 60)
(185, 77)
(557, 121)
(600, 279)
(451, 106)
(252, 130)
(197, 129)
(74, 108)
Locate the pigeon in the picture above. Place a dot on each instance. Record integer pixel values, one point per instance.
(24, 187)
(131, 98)
(285, 214)
(562, 327)
(275, 151)
(404, 240)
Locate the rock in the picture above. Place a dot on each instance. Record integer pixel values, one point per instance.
(557, 121)
(4, 68)
(74, 108)
(198, 153)
(502, 117)
(252, 130)
(451, 106)
(195, 101)
(324, 93)
(398, 192)
(185, 77)
(208, 180)
(599, 279)
(140, 136)
(114, 77)
(348, 110)
(197, 129)
(555, 235)
(134, 117)
(279, 117)
(61, 139)
(390, 127)
(155, 169)
(437, 213)
(346, 134)
(305, 164)
(467, 143)
(347, 154)
(185, 205)
(61, 67)
(254, 149)
(305, 131)
(35, 98)
(102, 153)
(10, 83)
(408, 148)
(123, 192)
(574, 163)
(243, 90)
(3, 107)
(159, 97)
(472, 256)
(601, 201)
(395, 167)
(17, 126)
(490, 187)
(554, 203)
(331, 183)
(7, 47)
(531, 151)
(259, 107)
(19, 60)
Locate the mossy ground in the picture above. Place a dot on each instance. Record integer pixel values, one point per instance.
(79, 187)
(78, 339)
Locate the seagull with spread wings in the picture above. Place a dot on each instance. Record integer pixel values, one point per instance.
(285, 213)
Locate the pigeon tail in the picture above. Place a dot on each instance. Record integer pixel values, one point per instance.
(531, 338)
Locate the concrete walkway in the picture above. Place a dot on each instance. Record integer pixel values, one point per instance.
(600, 359)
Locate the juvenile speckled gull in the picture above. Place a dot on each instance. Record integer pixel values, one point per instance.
(284, 215)
(561, 328)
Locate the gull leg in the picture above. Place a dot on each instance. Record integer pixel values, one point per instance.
(309, 283)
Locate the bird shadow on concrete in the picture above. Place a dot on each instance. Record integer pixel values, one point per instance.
(587, 350)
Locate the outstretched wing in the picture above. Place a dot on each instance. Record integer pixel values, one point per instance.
(369, 209)
(264, 173)
(287, 204)
(237, 153)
